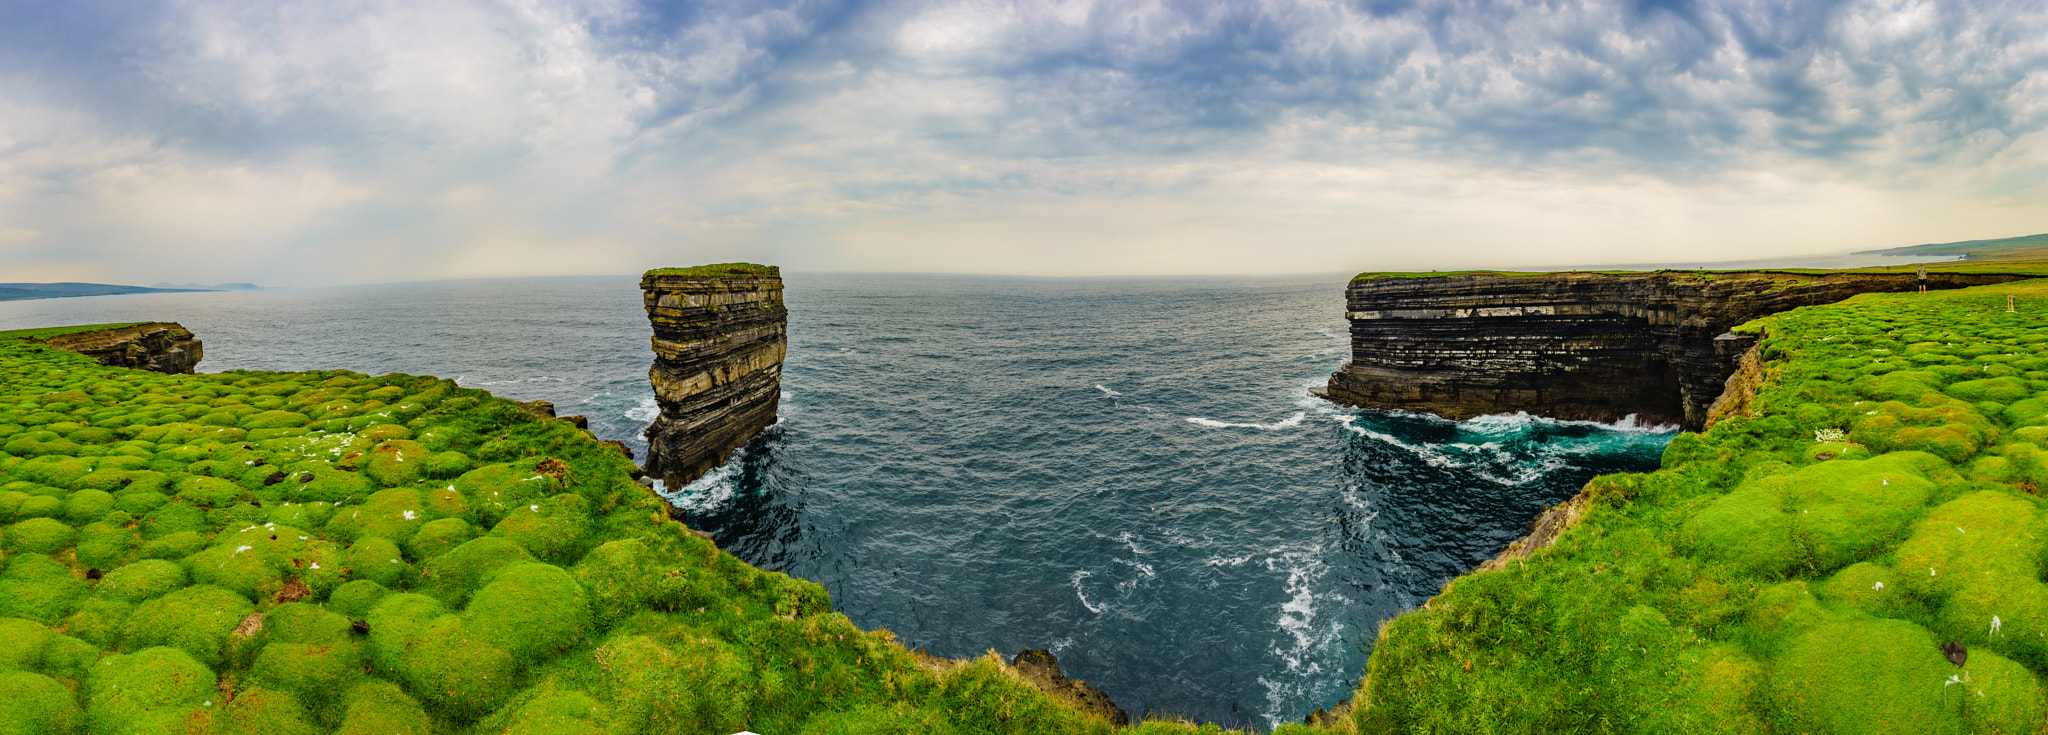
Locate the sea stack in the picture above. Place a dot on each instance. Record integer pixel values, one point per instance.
(720, 333)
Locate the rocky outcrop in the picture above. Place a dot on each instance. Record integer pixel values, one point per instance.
(1543, 531)
(163, 347)
(1573, 345)
(719, 340)
(1039, 667)
(546, 409)
(1741, 385)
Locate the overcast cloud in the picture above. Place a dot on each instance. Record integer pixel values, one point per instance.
(311, 143)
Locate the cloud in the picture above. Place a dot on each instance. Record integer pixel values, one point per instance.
(309, 142)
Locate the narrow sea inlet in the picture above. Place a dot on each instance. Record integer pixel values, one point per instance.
(1128, 472)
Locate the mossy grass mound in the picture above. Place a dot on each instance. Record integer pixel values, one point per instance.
(33, 704)
(1773, 576)
(151, 687)
(330, 552)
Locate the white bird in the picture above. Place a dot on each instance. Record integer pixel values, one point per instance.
(1878, 586)
(1994, 625)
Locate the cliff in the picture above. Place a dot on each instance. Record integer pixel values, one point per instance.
(1574, 345)
(719, 339)
(1860, 518)
(163, 347)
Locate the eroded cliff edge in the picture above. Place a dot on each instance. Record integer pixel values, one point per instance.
(163, 347)
(719, 339)
(1594, 346)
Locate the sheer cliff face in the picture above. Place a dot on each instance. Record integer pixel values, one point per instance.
(1571, 345)
(718, 348)
(163, 347)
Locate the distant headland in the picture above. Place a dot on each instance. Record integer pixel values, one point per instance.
(26, 291)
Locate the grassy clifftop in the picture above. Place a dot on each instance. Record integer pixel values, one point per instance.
(718, 269)
(329, 552)
(1793, 570)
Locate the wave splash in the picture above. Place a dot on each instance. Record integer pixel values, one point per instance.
(706, 494)
(1521, 420)
(1505, 449)
(1291, 422)
(645, 412)
(1308, 635)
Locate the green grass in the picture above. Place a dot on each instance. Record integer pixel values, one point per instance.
(2033, 265)
(719, 269)
(1750, 586)
(44, 333)
(242, 524)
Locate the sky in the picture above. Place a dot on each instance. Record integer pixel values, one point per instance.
(329, 142)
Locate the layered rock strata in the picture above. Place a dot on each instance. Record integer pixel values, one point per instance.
(719, 340)
(1573, 345)
(163, 347)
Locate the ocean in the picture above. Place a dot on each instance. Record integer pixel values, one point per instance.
(1128, 472)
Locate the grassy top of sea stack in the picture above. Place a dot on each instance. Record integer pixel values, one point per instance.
(1794, 569)
(719, 269)
(331, 552)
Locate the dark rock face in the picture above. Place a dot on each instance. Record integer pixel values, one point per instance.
(1573, 345)
(718, 348)
(163, 347)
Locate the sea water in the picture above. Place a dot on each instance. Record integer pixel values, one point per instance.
(1131, 473)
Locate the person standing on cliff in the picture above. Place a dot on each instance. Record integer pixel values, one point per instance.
(1923, 279)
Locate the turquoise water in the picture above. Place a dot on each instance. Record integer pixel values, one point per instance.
(1128, 472)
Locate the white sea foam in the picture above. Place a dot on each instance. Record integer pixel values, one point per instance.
(1429, 455)
(1081, 595)
(707, 493)
(1130, 541)
(1523, 472)
(646, 411)
(1106, 391)
(534, 379)
(1500, 423)
(1355, 497)
(1306, 641)
(1234, 561)
(1214, 424)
